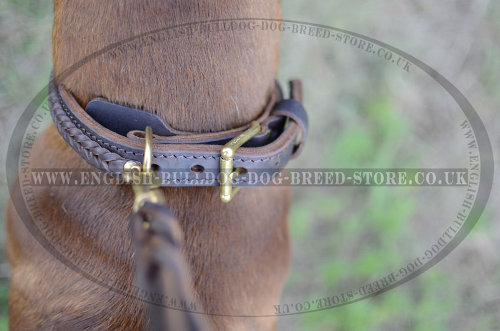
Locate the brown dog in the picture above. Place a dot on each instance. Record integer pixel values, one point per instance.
(238, 252)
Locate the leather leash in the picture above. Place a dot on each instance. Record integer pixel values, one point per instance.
(162, 270)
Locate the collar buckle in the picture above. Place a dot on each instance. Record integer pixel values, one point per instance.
(227, 173)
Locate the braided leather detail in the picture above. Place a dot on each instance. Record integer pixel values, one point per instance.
(109, 153)
(91, 151)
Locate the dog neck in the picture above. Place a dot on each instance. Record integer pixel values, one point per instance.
(204, 81)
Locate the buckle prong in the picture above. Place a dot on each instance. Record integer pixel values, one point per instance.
(227, 173)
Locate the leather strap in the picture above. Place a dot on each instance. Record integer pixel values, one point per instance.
(162, 270)
(181, 158)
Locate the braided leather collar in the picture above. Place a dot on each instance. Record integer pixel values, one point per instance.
(182, 158)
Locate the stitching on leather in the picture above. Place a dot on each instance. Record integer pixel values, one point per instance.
(101, 142)
(90, 154)
(72, 120)
(187, 180)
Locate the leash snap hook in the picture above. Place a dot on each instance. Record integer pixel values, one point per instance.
(227, 173)
(144, 181)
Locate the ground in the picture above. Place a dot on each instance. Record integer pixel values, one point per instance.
(364, 112)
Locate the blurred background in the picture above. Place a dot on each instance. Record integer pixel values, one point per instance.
(364, 112)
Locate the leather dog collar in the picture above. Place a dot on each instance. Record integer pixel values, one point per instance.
(107, 136)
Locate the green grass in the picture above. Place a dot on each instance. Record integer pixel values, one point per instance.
(25, 63)
(348, 236)
(371, 138)
(4, 317)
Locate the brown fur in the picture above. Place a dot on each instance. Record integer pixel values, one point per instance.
(238, 252)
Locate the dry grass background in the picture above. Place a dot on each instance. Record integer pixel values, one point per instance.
(364, 113)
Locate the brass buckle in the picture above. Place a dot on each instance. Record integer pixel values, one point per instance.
(226, 162)
(144, 181)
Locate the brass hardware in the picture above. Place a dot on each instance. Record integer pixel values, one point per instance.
(226, 161)
(128, 170)
(144, 181)
(148, 150)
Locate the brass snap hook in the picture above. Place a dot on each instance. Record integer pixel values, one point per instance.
(144, 180)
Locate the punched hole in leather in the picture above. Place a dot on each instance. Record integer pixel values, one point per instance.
(107, 136)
